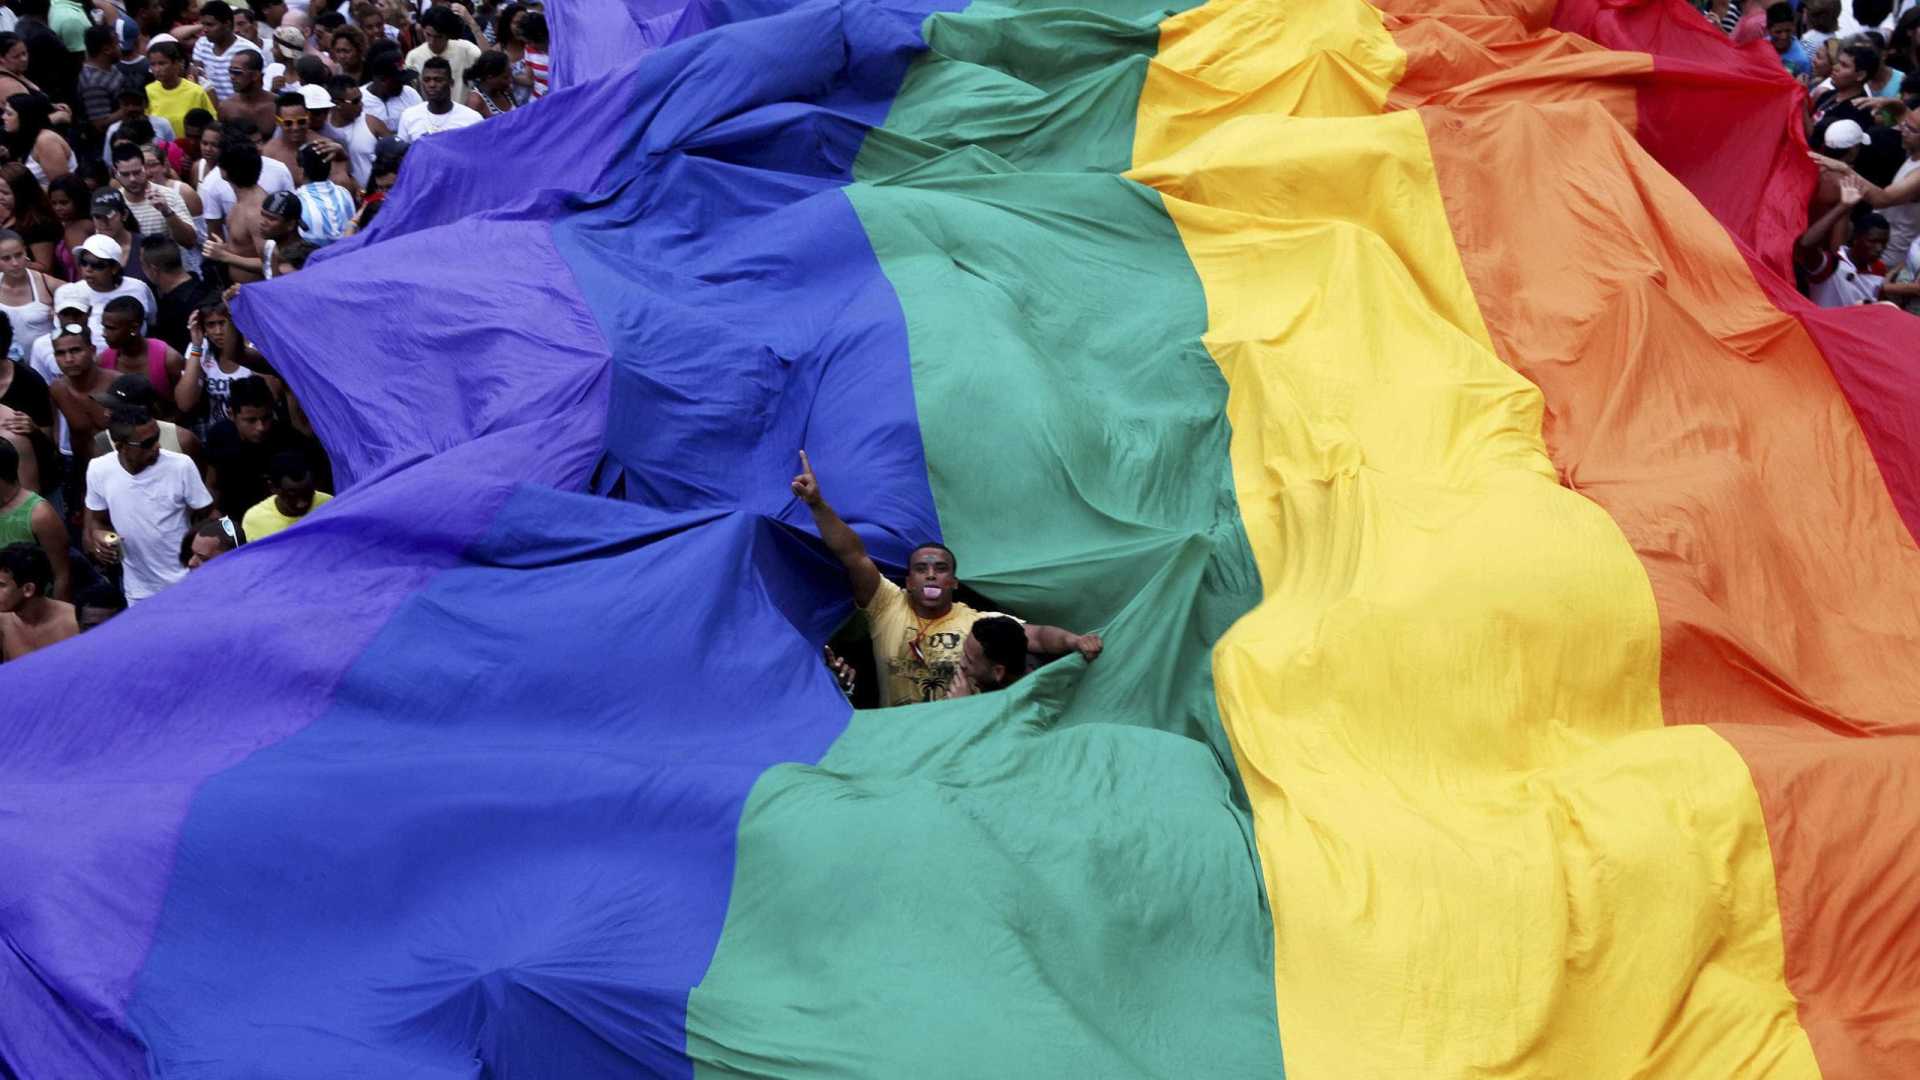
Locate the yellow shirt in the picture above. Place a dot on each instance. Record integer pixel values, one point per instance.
(892, 624)
(263, 519)
(173, 105)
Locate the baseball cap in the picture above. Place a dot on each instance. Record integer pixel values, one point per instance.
(282, 204)
(289, 42)
(159, 39)
(73, 296)
(130, 390)
(317, 96)
(1846, 134)
(107, 248)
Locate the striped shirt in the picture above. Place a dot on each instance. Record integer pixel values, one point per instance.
(539, 63)
(219, 81)
(1731, 19)
(325, 210)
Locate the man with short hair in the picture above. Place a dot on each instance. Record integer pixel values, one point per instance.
(250, 99)
(241, 449)
(386, 95)
(439, 112)
(994, 655)
(442, 29)
(141, 500)
(213, 54)
(158, 210)
(26, 518)
(178, 292)
(919, 632)
(130, 351)
(290, 478)
(196, 123)
(349, 126)
(97, 603)
(100, 259)
(290, 111)
(101, 82)
(31, 617)
(171, 95)
(72, 303)
(82, 381)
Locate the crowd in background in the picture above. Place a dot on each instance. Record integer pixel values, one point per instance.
(158, 155)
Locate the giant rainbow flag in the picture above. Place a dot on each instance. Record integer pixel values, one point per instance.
(1510, 584)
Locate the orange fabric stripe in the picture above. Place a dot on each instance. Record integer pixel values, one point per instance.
(1709, 426)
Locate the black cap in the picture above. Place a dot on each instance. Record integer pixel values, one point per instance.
(108, 200)
(130, 390)
(282, 204)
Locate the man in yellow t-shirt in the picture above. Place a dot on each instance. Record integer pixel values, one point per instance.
(293, 498)
(919, 631)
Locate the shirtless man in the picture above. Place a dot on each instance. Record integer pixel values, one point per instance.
(81, 380)
(30, 618)
(240, 167)
(290, 112)
(250, 99)
(919, 632)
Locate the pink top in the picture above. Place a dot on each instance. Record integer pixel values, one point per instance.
(156, 365)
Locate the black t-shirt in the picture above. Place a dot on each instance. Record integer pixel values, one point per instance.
(28, 394)
(170, 323)
(240, 467)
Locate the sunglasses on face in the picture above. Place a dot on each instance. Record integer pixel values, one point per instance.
(147, 443)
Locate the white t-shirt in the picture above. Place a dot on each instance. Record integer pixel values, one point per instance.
(460, 56)
(1838, 283)
(421, 121)
(388, 110)
(151, 511)
(360, 144)
(128, 286)
(217, 196)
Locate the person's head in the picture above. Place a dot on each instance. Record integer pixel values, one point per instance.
(493, 72)
(1910, 132)
(436, 80)
(1844, 139)
(244, 25)
(239, 159)
(440, 26)
(216, 23)
(68, 199)
(291, 479)
(250, 407)
(386, 76)
(291, 110)
(205, 541)
(931, 577)
(9, 470)
(325, 23)
(72, 303)
(154, 163)
(26, 116)
(110, 216)
(167, 63)
(1870, 233)
(348, 46)
(1780, 26)
(73, 350)
(280, 215)
(210, 142)
(102, 44)
(290, 255)
(271, 12)
(97, 603)
(248, 71)
(311, 70)
(346, 99)
(130, 168)
(1871, 13)
(505, 25)
(385, 174)
(995, 653)
(13, 54)
(1854, 66)
(13, 253)
(137, 130)
(25, 575)
(136, 438)
(23, 196)
(217, 322)
(1823, 15)
(101, 257)
(120, 323)
(533, 28)
(131, 389)
(314, 165)
(370, 19)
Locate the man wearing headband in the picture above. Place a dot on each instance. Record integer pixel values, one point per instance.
(141, 500)
(919, 632)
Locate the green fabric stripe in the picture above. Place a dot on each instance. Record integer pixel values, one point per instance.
(1057, 880)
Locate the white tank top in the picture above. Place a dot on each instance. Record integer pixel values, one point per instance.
(219, 386)
(35, 317)
(1903, 221)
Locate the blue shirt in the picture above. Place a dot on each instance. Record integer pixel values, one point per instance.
(1796, 58)
(325, 211)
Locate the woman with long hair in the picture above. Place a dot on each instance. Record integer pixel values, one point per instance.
(491, 82)
(31, 140)
(71, 202)
(26, 294)
(24, 209)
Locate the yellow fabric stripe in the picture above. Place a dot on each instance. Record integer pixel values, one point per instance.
(1486, 855)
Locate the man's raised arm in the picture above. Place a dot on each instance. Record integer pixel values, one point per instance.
(845, 544)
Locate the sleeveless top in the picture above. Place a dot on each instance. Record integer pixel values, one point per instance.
(491, 109)
(156, 364)
(16, 525)
(219, 386)
(35, 317)
(40, 173)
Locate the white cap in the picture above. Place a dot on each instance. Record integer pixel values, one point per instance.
(1846, 134)
(104, 247)
(158, 38)
(317, 96)
(73, 296)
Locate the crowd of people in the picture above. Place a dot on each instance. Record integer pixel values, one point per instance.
(1862, 241)
(158, 155)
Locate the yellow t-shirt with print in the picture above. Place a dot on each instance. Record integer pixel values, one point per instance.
(891, 622)
(174, 105)
(264, 519)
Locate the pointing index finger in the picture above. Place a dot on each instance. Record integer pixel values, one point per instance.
(805, 466)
